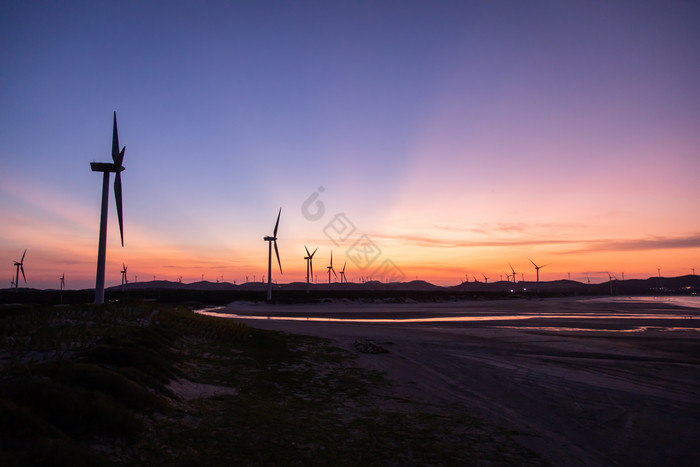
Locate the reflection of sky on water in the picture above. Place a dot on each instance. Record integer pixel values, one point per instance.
(692, 301)
(462, 319)
(565, 329)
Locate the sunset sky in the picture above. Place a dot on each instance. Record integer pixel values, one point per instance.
(438, 138)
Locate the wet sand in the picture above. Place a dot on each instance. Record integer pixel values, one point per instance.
(624, 392)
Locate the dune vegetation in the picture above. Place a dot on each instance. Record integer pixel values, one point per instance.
(159, 384)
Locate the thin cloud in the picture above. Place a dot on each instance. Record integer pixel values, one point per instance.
(451, 243)
(639, 244)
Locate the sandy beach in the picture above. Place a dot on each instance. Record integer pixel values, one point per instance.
(582, 382)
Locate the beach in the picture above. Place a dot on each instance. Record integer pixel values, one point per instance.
(579, 381)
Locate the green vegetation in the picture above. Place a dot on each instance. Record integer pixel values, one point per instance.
(93, 385)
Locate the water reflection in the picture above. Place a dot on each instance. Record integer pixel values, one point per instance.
(461, 318)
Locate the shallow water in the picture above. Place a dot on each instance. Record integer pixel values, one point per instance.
(220, 312)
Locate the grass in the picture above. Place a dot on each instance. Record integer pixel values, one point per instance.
(88, 384)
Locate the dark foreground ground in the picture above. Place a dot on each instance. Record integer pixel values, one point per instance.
(159, 385)
(624, 392)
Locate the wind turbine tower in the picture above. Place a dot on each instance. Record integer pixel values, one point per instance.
(20, 267)
(309, 266)
(106, 168)
(270, 240)
(330, 268)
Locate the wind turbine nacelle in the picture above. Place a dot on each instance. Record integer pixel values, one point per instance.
(105, 167)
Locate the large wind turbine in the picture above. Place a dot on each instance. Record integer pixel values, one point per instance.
(20, 266)
(270, 240)
(309, 266)
(106, 168)
(330, 268)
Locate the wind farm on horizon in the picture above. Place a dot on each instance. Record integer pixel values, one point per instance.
(366, 276)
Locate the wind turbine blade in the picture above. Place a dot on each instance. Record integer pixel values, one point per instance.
(118, 198)
(344, 264)
(307, 251)
(23, 276)
(22, 260)
(311, 266)
(331, 258)
(278, 257)
(334, 274)
(277, 224)
(533, 263)
(312, 254)
(115, 140)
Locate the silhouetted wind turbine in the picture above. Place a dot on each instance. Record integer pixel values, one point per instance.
(63, 285)
(330, 268)
(309, 266)
(123, 271)
(693, 269)
(342, 274)
(270, 240)
(106, 168)
(515, 279)
(486, 279)
(537, 269)
(20, 266)
(12, 282)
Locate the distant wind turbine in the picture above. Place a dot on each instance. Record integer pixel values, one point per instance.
(270, 240)
(330, 268)
(342, 274)
(124, 278)
(537, 270)
(693, 269)
(515, 279)
(106, 168)
(63, 285)
(20, 267)
(309, 266)
(486, 279)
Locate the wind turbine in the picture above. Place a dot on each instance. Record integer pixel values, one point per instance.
(20, 266)
(123, 271)
(342, 274)
(515, 278)
(486, 279)
(537, 269)
(330, 268)
(106, 168)
(270, 240)
(309, 266)
(63, 285)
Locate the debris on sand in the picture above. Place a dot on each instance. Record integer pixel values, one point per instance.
(366, 346)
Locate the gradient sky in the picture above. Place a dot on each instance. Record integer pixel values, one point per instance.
(456, 137)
